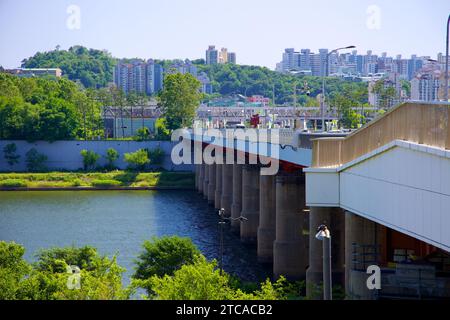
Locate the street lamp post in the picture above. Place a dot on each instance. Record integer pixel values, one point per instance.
(322, 107)
(222, 223)
(323, 234)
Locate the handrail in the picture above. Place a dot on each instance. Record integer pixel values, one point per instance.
(423, 123)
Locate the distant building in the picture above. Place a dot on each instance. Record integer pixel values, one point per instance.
(223, 55)
(263, 101)
(212, 55)
(35, 72)
(231, 57)
(425, 87)
(206, 83)
(138, 76)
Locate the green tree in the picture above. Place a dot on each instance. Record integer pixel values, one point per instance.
(386, 93)
(137, 160)
(35, 161)
(10, 154)
(179, 100)
(89, 159)
(165, 255)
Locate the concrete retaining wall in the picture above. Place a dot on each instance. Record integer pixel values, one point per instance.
(66, 154)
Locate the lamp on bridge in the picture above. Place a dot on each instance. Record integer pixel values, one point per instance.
(324, 75)
(323, 234)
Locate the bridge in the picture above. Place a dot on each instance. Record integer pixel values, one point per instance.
(383, 190)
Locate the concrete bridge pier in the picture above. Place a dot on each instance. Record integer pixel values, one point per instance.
(334, 218)
(211, 183)
(218, 192)
(290, 255)
(197, 175)
(362, 236)
(236, 207)
(227, 188)
(250, 203)
(267, 218)
(201, 177)
(205, 181)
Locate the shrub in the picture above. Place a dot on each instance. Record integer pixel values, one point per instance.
(10, 154)
(142, 134)
(76, 182)
(137, 160)
(89, 159)
(105, 183)
(13, 183)
(35, 161)
(162, 133)
(111, 156)
(156, 156)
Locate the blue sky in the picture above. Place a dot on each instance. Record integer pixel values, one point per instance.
(257, 30)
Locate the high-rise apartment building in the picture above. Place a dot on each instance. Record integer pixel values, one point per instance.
(138, 76)
(231, 57)
(425, 87)
(212, 55)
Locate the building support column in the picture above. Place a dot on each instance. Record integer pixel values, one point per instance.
(250, 203)
(236, 206)
(211, 183)
(290, 255)
(227, 188)
(334, 219)
(267, 218)
(218, 192)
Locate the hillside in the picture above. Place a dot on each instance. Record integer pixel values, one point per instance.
(93, 68)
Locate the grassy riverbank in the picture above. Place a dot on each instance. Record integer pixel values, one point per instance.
(101, 180)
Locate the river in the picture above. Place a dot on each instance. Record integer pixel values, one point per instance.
(117, 222)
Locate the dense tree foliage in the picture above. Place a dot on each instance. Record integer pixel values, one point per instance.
(168, 268)
(254, 80)
(49, 278)
(93, 68)
(42, 109)
(179, 100)
(345, 102)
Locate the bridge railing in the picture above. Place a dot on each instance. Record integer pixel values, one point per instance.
(423, 123)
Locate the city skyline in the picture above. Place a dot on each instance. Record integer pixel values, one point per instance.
(257, 33)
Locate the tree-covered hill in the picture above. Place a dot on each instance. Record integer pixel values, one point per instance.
(252, 80)
(93, 68)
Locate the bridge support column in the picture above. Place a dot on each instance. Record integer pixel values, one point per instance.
(236, 206)
(197, 175)
(334, 218)
(362, 236)
(211, 183)
(227, 188)
(205, 181)
(290, 256)
(250, 203)
(218, 192)
(267, 218)
(201, 177)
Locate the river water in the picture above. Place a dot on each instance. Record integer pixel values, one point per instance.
(117, 222)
